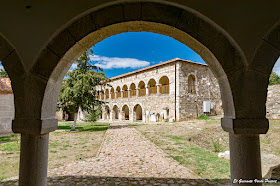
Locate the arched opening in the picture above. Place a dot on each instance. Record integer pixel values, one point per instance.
(125, 91)
(142, 88)
(90, 40)
(152, 86)
(115, 112)
(107, 112)
(132, 89)
(112, 91)
(164, 85)
(102, 95)
(118, 92)
(107, 93)
(137, 113)
(191, 84)
(125, 113)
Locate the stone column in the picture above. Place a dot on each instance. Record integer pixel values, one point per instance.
(120, 115)
(33, 149)
(128, 93)
(245, 155)
(111, 115)
(158, 88)
(147, 90)
(110, 96)
(147, 116)
(143, 117)
(137, 92)
(121, 93)
(115, 94)
(165, 112)
(33, 160)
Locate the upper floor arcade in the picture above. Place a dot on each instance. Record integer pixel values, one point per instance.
(140, 88)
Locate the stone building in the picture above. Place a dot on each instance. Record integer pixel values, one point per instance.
(239, 42)
(6, 106)
(174, 90)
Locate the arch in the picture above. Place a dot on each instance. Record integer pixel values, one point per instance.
(152, 86)
(137, 113)
(112, 92)
(115, 115)
(205, 37)
(107, 93)
(106, 112)
(164, 85)
(125, 91)
(191, 84)
(125, 112)
(132, 88)
(118, 92)
(142, 88)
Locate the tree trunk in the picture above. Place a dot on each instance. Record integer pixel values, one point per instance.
(75, 121)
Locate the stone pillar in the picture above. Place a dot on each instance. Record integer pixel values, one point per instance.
(147, 116)
(158, 88)
(115, 94)
(111, 115)
(120, 115)
(245, 155)
(147, 90)
(165, 112)
(33, 160)
(121, 93)
(137, 92)
(143, 117)
(33, 149)
(128, 93)
(110, 96)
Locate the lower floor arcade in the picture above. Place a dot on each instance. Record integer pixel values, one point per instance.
(136, 112)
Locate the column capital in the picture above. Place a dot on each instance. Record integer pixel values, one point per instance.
(245, 125)
(34, 126)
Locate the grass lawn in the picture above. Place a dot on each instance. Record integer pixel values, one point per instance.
(65, 146)
(196, 144)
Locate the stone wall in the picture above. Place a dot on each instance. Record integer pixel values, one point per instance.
(273, 102)
(150, 104)
(206, 89)
(6, 114)
(188, 105)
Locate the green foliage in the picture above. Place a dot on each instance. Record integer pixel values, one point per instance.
(218, 147)
(78, 88)
(3, 73)
(274, 79)
(203, 116)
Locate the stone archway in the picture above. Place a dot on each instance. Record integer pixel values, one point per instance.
(115, 113)
(106, 113)
(125, 112)
(35, 117)
(137, 113)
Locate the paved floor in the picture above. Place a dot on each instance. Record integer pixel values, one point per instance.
(126, 157)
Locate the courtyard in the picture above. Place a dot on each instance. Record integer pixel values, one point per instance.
(181, 153)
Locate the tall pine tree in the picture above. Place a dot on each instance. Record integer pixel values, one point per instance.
(78, 88)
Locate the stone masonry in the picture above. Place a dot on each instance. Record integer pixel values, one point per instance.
(173, 90)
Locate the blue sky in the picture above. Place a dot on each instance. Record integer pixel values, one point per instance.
(130, 51)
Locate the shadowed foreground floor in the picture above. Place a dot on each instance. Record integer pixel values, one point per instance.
(95, 180)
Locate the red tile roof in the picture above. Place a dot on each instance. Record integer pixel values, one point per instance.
(154, 66)
(5, 86)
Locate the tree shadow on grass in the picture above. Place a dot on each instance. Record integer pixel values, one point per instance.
(99, 180)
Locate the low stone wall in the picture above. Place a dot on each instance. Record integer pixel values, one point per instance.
(273, 102)
(6, 114)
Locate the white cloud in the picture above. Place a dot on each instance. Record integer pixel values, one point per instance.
(276, 67)
(73, 66)
(117, 62)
